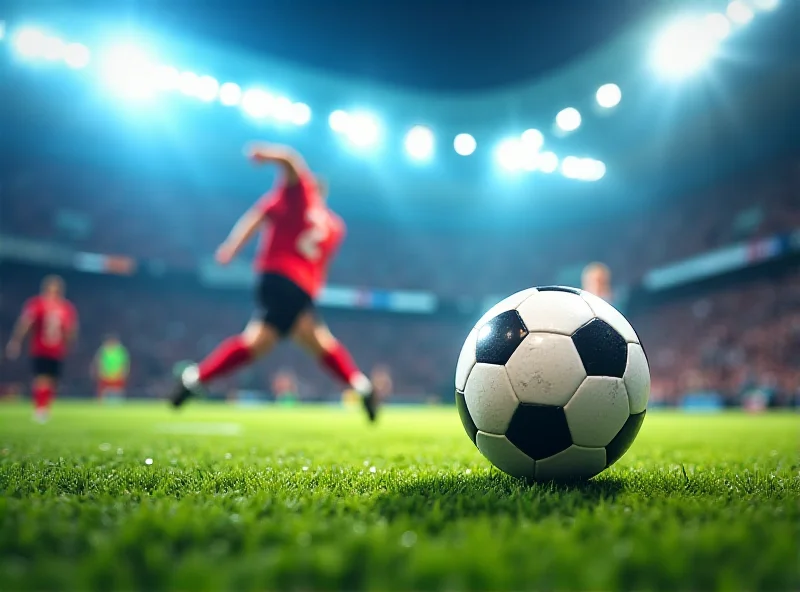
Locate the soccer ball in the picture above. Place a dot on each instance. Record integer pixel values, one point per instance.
(552, 383)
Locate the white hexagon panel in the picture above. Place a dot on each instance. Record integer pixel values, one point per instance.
(597, 411)
(490, 399)
(637, 378)
(555, 310)
(545, 369)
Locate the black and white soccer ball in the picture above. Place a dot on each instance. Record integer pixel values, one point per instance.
(552, 383)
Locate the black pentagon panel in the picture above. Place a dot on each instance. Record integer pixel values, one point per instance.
(539, 431)
(603, 351)
(499, 337)
(559, 289)
(624, 438)
(466, 418)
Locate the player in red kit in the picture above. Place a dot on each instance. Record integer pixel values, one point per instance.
(300, 236)
(53, 323)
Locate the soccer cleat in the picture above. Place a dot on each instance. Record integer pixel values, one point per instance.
(182, 393)
(371, 405)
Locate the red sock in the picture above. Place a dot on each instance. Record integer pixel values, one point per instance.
(340, 363)
(227, 357)
(42, 396)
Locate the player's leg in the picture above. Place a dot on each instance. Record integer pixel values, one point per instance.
(310, 333)
(257, 339)
(46, 372)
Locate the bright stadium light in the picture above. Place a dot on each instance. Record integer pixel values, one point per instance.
(129, 72)
(189, 84)
(592, 170)
(207, 88)
(29, 43)
(2, 30)
(718, 25)
(568, 119)
(419, 143)
(685, 47)
(548, 162)
(300, 114)
(76, 56)
(166, 78)
(282, 109)
(766, 5)
(256, 103)
(339, 121)
(362, 130)
(53, 49)
(571, 167)
(464, 144)
(532, 140)
(739, 12)
(609, 95)
(509, 154)
(230, 94)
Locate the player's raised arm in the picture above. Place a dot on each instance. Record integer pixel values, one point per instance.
(21, 329)
(245, 228)
(289, 160)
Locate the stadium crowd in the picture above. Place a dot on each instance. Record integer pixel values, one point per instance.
(729, 341)
(84, 207)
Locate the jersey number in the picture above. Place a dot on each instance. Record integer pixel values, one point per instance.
(308, 242)
(51, 329)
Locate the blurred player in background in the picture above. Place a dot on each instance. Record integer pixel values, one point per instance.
(52, 321)
(596, 279)
(301, 235)
(110, 368)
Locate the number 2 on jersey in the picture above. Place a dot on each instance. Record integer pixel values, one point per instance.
(308, 242)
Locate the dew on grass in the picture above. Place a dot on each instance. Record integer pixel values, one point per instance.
(148, 461)
(105, 446)
(409, 539)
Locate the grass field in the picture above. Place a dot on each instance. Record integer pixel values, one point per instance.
(316, 499)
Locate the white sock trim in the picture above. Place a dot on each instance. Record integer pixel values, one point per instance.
(190, 377)
(361, 384)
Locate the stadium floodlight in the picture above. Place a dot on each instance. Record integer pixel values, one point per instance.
(2, 30)
(419, 142)
(339, 121)
(363, 129)
(609, 95)
(548, 162)
(230, 94)
(464, 144)
(568, 119)
(718, 25)
(129, 72)
(189, 84)
(510, 154)
(766, 5)
(739, 12)
(29, 42)
(532, 139)
(166, 78)
(592, 170)
(685, 47)
(256, 103)
(571, 167)
(300, 114)
(77, 55)
(53, 49)
(282, 109)
(207, 88)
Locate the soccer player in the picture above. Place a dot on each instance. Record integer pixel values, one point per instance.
(301, 235)
(596, 279)
(53, 323)
(111, 366)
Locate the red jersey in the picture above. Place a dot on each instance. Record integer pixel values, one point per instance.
(303, 235)
(53, 323)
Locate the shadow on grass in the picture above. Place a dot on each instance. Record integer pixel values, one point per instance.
(451, 497)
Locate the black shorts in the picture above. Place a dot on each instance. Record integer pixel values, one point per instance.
(46, 367)
(280, 302)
